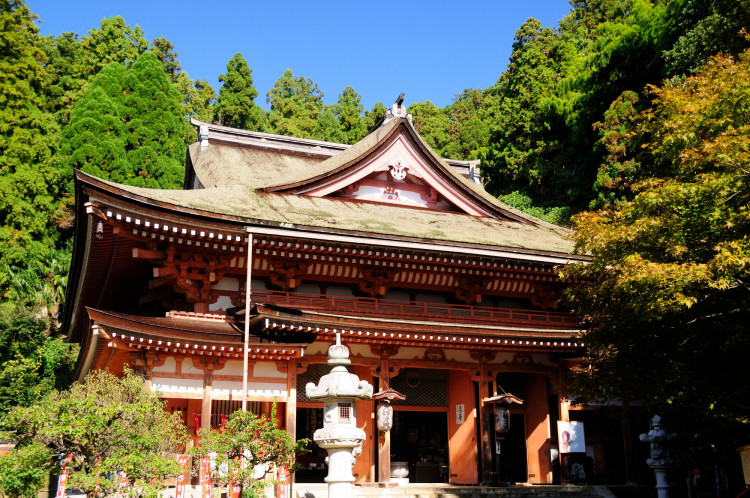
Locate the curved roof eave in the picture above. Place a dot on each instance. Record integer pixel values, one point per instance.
(139, 198)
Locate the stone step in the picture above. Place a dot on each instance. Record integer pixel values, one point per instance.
(302, 490)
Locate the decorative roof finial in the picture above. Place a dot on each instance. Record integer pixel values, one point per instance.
(397, 110)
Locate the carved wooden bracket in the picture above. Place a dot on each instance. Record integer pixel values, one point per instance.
(384, 350)
(208, 365)
(144, 362)
(375, 281)
(482, 355)
(287, 275)
(545, 295)
(434, 354)
(470, 289)
(189, 273)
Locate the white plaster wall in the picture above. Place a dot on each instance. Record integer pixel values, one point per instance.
(267, 369)
(225, 388)
(188, 368)
(169, 386)
(170, 365)
(358, 349)
(405, 353)
(232, 367)
(462, 355)
(221, 304)
(318, 348)
(542, 359)
(227, 284)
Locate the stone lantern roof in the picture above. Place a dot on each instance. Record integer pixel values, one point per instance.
(339, 384)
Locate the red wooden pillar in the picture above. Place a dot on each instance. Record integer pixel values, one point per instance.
(462, 444)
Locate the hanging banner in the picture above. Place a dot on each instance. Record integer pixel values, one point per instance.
(97, 486)
(223, 424)
(62, 480)
(282, 488)
(570, 437)
(197, 421)
(234, 484)
(207, 487)
(182, 461)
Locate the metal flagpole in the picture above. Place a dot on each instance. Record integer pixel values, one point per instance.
(248, 295)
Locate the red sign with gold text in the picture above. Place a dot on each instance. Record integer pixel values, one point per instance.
(62, 480)
(182, 461)
(282, 489)
(207, 488)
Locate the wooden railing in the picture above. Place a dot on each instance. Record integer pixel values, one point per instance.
(416, 311)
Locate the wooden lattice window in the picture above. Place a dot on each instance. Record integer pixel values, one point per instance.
(345, 413)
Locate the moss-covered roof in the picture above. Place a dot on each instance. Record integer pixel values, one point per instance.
(249, 206)
(237, 166)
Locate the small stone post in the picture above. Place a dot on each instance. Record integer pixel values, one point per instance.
(340, 437)
(660, 460)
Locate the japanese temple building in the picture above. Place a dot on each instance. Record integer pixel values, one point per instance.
(441, 292)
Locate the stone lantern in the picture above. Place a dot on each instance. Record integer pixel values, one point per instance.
(660, 460)
(340, 437)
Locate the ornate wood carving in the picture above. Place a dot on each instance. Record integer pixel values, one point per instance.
(384, 350)
(208, 364)
(434, 354)
(144, 362)
(470, 289)
(287, 274)
(482, 355)
(545, 295)
(375, 282)
(189, 273)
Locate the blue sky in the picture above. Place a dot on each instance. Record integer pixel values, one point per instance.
(430, 50)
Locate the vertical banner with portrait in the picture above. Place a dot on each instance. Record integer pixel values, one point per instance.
(570, 437)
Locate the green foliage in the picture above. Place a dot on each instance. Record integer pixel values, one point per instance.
(23, 472)
(470, 124)
(328, 128)
(559, 215)
(350, 113)
(431, 123)
(525, 152)
(129, 128)
(669, 306)
(703, 29)
(28, 139)
(260, 443)
(113, 41)
(107, 425)
(235, 105)
(33, 359)
(374, 115)
(65, 82)
(296, 105)
(165, 52)
(197, 97)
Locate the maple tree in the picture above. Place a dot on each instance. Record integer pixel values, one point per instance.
(670, 300)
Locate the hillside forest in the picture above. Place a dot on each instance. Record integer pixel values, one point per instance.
(628, 122)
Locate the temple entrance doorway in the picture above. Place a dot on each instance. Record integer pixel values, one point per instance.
(420, 439)
(509, 452)
(420, 424)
